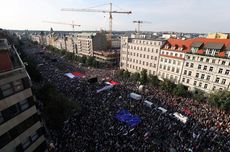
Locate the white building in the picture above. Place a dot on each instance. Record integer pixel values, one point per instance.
(139, 53)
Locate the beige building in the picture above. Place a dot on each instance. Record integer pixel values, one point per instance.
(172, 56)
(137, 54)
(207, 65)
(20, 127)
(218, 36)
(89, 42)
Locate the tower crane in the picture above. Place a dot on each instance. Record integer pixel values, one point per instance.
(138, 22)
(110, 12)
(72, 24)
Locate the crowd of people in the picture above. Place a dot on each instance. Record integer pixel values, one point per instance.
(96, 128)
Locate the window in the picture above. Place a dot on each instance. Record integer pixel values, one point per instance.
(177, 70)
(174, 61)
(170, 60)
(156, 50)
(34, 136)
(7, 89)
(147, 56)
(220, 70)
(160, 66)
(201, 59)
(200, 84)
(179, 62)
(217, 80)
(205, 67)
(186, 64)
(211, 69)
(208, 77)
(223, 62)
(223, 81)
(173, 69)
(185, 72)
(205, 86)
(151, 57)
(194, 83)
(26, 142)
(189, 73)
(10, 112)
(23, 105)
(164, 67)
(154, 65)
(183, 79)
(187, 81)
(155, 58)
(161, 59)
(147, 63)
(168, 68)
(199, 66)
(226, 72)
(1, 118)
(166, 60)
(213, 61)
(191, 65)
(202, 76)
(207, 60)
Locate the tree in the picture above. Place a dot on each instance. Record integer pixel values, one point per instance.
(144, 76)
(135, 76)
(153, 79)
(57, 107)
(220, 99)
(198, 95)
(119, 73)
(180, 90)
(126, 74)
(90, 60)
(83, 59)
(167, 85)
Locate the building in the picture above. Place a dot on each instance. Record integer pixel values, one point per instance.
(20, 127)
(89, 42)
(172, 56)
(207, 65)
(140, 53)
(218, 36)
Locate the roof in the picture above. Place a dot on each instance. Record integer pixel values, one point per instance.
(211, 45)
(228, 47)
(180, 43)
(3, 44)
(206, 40)
(196, 44)
(5, 63)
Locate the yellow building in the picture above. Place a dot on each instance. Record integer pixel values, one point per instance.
(218, 36)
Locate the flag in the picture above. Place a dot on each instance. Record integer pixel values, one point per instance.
(74, 75)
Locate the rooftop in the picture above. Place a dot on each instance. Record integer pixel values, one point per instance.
(9, 58)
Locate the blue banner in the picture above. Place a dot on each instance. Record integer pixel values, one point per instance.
(126, 117)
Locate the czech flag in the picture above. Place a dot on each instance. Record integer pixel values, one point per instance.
(111, 82)
(74, 75)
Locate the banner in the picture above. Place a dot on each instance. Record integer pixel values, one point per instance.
(126, 117)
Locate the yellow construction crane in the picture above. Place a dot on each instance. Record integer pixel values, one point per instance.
(138, 22)
(72, 24)
(110, 11)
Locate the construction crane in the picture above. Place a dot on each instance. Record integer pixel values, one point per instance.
(110, 11)
(72, 24)
(138, 22)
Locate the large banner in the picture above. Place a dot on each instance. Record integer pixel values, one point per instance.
(126, 117)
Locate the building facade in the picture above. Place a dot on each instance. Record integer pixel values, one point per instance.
(137, 54)
(172, 57)
(199, 63)
(20, 126)
(207, 65)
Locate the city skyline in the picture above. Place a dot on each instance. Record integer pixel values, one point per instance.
(164, 15)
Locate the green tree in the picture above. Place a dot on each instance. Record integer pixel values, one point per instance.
(57, 107)
(153, 79)
(199, 95)
(144, 77)
(83, 59)
(90, 60)
(220, 99)
(180, 90)
(126, 74)
(167, 85)
(135, 76)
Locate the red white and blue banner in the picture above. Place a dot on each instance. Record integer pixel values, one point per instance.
(74, 75)
(111, 82)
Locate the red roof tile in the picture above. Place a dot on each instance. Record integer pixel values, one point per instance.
(200, 52)
(5, 63)
(221, 54)
(180, 43)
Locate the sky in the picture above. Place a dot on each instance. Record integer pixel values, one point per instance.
(201, 16)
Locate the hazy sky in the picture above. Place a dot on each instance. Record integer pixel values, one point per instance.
(164, 15)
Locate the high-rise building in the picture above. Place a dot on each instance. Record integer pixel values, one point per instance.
(20, 126)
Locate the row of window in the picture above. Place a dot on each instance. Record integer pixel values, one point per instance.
(166, 60)
(139, 68)
(208, 60)
(17, 130)
(169, 68)
(172, 54)
(167, 76)
(143, 63)
(147, 42)
(143, 49)
(16, 109)
(147, 56)
(14, 87)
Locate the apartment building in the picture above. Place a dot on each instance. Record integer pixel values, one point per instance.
(207, 65)
(171, 59)
(20, 127)
(140, 53)
(89, 42)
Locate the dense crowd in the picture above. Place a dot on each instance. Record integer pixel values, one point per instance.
(96, 129)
